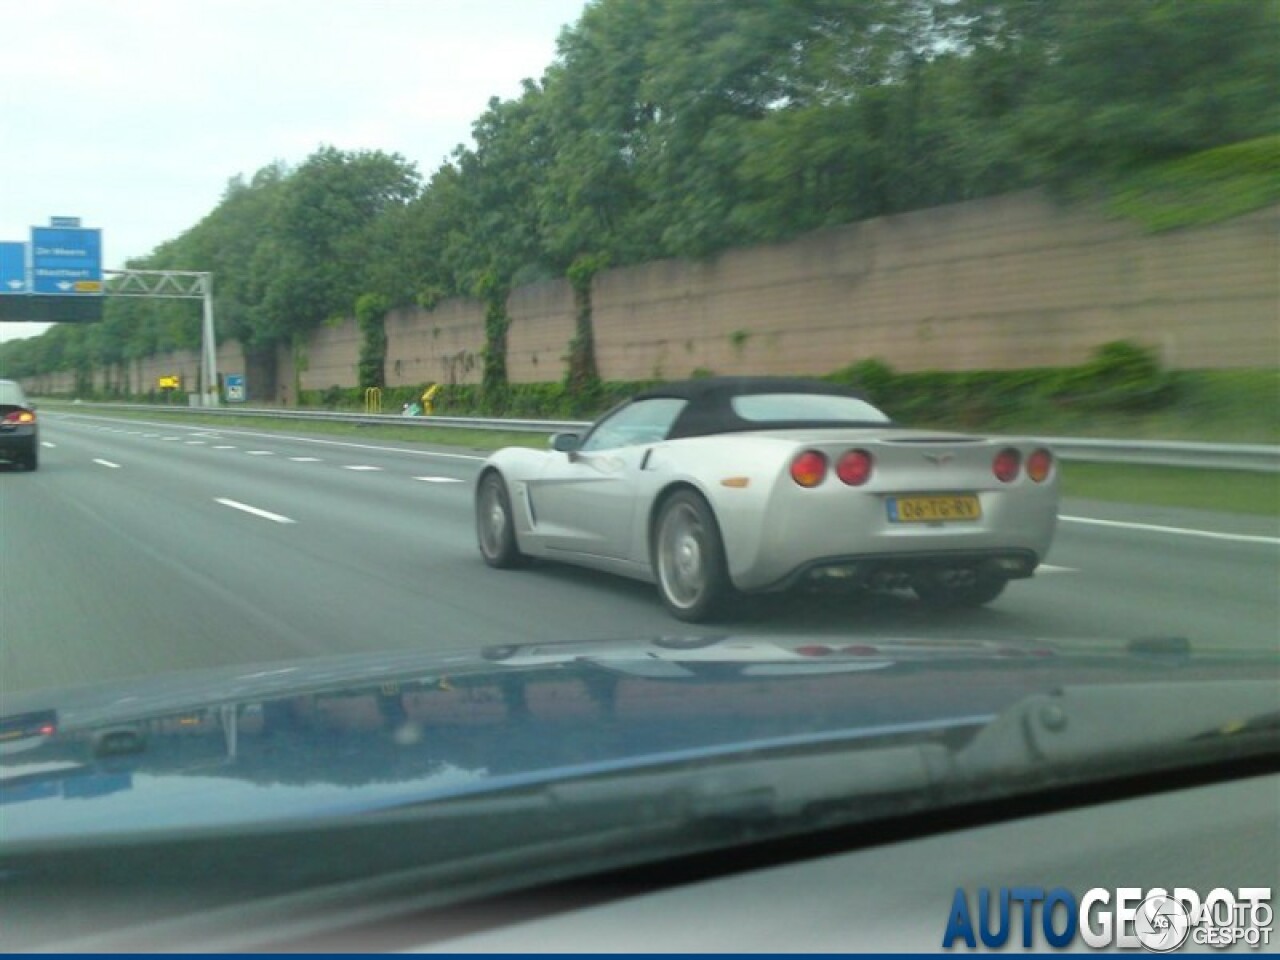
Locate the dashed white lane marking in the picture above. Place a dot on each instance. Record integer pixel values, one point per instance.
(1181, 531)
(195, 443)
(107, 463)
(264, 514)
(305, 459)
(150, 436)
(1050, 568)
(453, 480)
(260, 453)
(170, 438)
(46, 443)
(360, 466)
(223, 446)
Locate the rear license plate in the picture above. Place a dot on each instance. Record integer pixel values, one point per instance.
(961, 507)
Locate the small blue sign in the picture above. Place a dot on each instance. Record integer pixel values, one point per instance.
(66, 262)
(13, 268)
(234, 383)
(72, 222)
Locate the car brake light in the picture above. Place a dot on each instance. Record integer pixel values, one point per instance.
(814, 650)
(1005, 466)
(1039, 464)
(854, 468)
(809, 468)
(860, 650)
(20, 416)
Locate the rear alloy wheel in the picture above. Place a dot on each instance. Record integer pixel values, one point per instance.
(688, 559)
(935, 592)
(495, 526)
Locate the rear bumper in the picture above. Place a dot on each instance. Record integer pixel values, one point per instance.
(19, 440)
(884, 571)
(804, 531)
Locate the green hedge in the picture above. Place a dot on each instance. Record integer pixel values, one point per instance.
(1121, 377)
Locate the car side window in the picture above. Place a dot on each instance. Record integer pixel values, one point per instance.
(644, 421)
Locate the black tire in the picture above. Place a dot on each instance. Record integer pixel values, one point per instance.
(688, 559)
(32, 459)
(495, 526)
(940, 596)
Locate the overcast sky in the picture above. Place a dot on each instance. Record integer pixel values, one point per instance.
(133, 114)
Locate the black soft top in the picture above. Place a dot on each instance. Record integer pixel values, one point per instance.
(710, 410)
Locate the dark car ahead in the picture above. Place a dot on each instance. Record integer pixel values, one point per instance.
(19, 435)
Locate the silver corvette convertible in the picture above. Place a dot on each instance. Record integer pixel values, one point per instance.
(720, 486)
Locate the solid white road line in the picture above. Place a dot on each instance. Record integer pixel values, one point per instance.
(264, 514)
(440, 479)
(1181, 531)
(360, 466)
(107, 463)
(330, 443)
(46, 443)
(305, 459)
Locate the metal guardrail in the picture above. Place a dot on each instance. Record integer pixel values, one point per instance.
(1255, 457)
(368, 419)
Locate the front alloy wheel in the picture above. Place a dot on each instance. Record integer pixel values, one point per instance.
(688, 559)
(495, 527)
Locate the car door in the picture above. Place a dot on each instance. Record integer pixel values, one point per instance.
(585, 500)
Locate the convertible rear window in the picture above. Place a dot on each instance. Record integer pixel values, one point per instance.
(783, 407)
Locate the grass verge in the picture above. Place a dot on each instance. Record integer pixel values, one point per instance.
(478, 440)
(1228, 491)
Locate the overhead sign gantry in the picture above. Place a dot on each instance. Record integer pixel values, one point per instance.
(55, 277)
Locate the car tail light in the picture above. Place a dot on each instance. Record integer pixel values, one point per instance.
(860, 650)
(1005, 466)
(20, 416)
(854, 468)
(1039, 464)
(809, 468)
(814, 650)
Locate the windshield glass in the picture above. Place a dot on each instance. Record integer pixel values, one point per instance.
(630, 426)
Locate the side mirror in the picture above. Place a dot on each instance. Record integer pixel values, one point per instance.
(565, 442)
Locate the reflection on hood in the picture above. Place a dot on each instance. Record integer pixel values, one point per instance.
(409, 727)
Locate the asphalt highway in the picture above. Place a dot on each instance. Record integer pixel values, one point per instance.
(139, 548)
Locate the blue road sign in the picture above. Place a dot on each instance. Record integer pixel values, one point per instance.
(13, 268)
(234, 383)
(66, 262)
